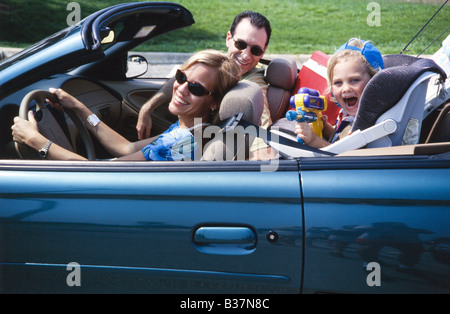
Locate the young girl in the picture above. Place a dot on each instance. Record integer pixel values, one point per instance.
(349, 70)
(201, 83)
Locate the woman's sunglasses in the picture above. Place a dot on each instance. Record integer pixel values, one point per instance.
(193, 87)
(241, 45)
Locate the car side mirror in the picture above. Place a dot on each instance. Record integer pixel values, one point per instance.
(136, 66)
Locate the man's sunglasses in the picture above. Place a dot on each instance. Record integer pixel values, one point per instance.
(193, 87)
(242, 45)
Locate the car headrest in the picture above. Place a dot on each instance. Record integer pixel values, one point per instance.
(280, 75)
(245, 97)
(282, 72)
(387, 87)
(398, 60)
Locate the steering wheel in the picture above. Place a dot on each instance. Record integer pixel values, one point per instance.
(49, 127)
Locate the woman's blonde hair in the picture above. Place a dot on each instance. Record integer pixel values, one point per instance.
(348, 54)
(228, 71)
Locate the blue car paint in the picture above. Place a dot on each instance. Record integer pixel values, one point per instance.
(314, 225)
(137, 225)
(389, 216)
(114, 222)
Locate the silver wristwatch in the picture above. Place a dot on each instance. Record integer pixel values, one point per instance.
(93, 120)
(44, 150)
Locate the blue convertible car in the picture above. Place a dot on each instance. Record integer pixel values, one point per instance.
(370, 214)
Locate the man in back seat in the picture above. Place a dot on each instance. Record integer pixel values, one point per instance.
(247, 41)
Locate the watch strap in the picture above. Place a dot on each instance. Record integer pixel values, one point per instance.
(43, 152)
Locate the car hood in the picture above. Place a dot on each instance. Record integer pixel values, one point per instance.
(82, 43)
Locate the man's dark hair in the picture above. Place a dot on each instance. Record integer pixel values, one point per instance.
(256, 19)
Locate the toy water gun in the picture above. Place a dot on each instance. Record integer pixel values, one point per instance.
(307, 106)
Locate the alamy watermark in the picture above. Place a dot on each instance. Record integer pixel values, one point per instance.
(74, 277)
(75, 15)
(374, 277)
(374, 17)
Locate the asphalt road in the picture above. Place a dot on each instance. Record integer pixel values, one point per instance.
(163, 64)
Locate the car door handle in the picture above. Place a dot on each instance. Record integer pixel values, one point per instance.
(226, 240)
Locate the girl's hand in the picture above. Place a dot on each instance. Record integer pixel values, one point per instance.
(328, 129)
(305, 131)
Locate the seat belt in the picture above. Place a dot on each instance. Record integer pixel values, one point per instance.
(269, 136)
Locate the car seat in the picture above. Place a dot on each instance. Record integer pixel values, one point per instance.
(245, 101)
(281, 76)
(392, 107)
(394, 104)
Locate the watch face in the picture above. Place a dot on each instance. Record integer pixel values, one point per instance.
(93, 120)
(44, 150)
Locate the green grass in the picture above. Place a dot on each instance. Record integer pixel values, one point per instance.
(299, 26)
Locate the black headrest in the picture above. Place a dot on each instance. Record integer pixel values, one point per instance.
(398, 60)
(388, 86)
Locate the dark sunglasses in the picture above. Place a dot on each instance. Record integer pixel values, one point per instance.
(241, 45)
(193, 87)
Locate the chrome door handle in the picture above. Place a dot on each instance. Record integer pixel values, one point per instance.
(228, 240)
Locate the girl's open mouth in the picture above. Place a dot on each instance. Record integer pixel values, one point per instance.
(351, 101)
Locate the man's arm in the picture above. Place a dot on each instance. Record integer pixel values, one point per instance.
(257, 76)
(163, 96)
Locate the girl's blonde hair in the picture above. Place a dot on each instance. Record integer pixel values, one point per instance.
(346, 54)
(228, 71)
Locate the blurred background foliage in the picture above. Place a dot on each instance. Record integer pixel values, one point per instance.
(299, 26)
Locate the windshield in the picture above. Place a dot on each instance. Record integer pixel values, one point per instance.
(44, 44)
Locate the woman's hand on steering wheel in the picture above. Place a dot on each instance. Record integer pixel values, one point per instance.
(65, 100)
(24, 130)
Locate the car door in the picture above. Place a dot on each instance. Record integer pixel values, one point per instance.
(377, 225)
(160, 227)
